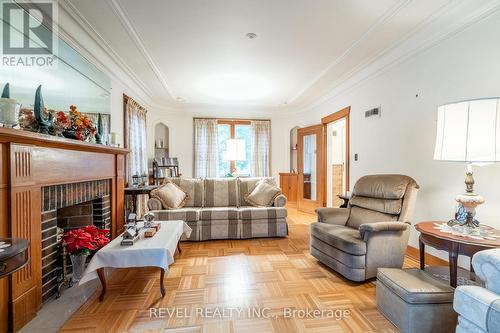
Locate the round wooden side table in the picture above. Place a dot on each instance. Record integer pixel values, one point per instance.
(135, 191)
(455, 245)
(13, 255)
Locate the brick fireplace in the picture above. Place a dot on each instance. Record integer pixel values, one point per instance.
(64, 207)
(32, 168)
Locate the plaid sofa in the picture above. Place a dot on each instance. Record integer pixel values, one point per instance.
(216, 209)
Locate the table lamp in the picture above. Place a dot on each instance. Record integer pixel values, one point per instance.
(235, 151)
(469, 131)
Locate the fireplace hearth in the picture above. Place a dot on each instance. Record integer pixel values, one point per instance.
(69, 206)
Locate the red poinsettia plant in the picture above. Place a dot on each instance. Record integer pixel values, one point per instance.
(86, 239)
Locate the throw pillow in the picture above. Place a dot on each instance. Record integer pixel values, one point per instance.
(263, 194)
(170, 195)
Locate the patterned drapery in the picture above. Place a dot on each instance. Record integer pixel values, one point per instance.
(205, 148)
(135, 140)
(260, 148)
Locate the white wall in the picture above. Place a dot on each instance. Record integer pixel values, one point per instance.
(402, 140)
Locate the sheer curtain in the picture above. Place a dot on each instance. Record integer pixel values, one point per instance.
(260, 148)
(205, 148)
(135, 140)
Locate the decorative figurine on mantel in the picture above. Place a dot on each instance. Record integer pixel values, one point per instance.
(44, 122)
(98, 134)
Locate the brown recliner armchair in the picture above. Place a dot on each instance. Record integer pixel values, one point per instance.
(372, 232)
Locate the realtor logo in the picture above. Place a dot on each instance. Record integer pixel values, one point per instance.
(28, 33)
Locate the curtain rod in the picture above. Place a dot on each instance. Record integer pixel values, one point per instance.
(127, 99)
(232, 119)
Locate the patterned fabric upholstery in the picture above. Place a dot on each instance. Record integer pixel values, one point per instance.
(264, 228)
(221, 192)
(220, 229)
(478, 307)
(213, 210)
(280, 201)
(184, 214)
(194, 189)
(246, 185)
(195, 233)
(256, 213)
(219, 213)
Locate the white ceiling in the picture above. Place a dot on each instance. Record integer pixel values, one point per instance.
(196, 50)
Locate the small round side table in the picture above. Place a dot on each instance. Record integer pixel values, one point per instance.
(14, 255)
(455, 245)
(135, 191)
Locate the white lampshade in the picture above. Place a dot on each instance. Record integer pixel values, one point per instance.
(469, 131)
(235, 150)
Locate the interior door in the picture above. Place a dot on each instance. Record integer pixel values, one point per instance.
(310, 168)
(336, 157)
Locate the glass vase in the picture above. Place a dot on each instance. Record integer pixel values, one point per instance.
(78, 261)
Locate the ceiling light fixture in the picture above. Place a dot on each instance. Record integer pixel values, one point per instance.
(251, 35)
(180, 99)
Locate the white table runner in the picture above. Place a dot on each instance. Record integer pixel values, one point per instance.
(156, 251)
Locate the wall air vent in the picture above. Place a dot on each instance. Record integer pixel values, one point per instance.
(375, 112)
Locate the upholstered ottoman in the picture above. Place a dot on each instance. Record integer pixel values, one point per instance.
(414, 301)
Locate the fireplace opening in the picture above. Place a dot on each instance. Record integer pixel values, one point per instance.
(65, 207)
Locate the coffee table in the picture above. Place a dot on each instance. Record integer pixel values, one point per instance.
(455, 245)
(156, 251)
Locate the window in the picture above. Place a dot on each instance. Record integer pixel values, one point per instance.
(233, 129)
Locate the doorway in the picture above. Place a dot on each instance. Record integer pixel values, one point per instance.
(310, 168)
(336, 157)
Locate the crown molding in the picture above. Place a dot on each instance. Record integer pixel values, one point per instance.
(406, 48)
(134, 36)
(386, 17)
(84, 24)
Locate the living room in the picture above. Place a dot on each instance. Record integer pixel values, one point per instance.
(270, 166)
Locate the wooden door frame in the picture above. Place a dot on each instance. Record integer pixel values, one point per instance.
(232, 126)
(306, 204)
(343, 113)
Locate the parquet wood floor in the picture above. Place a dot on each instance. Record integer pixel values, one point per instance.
(211, 281)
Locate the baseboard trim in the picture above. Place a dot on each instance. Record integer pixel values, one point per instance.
(429, 258)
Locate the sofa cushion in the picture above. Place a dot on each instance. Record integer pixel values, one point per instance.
(219, 229)
(170, 195)
(341, 237)
(415, 286)
(264, 228)
(246, 185)
(183, 214)
(254, 213)
(262, 195)
(359, 216)
(221, 192)
(193, 187)
(219, 213)
(333, 253)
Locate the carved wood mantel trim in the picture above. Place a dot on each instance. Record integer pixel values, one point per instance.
(30, 161)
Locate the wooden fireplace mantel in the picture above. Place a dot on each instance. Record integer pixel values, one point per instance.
(26, 137)
(29, 161)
